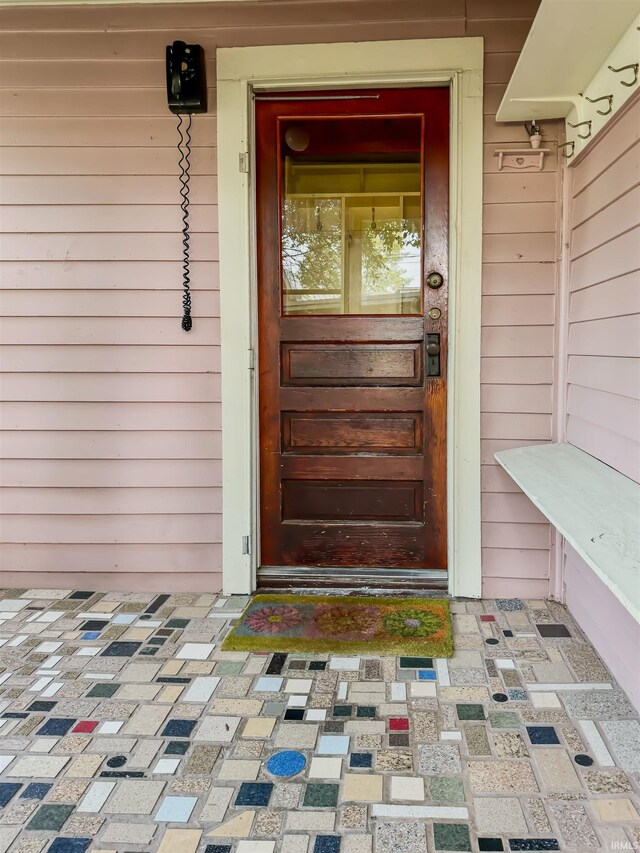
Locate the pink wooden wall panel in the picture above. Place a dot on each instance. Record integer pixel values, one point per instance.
(603, 388)
(111, 415)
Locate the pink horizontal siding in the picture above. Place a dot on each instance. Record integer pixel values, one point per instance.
(603, 375)
(111, 414)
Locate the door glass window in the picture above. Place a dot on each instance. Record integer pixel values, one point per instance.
(352, 217)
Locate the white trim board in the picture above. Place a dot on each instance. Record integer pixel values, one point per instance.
(457, 62)
(593, 506)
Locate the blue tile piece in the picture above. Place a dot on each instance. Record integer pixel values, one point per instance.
(254, 794)
(360, 759)
(426, 674)
(7, 790)
(179, 728)
(542, 734)
(509, 604)
(533, 844)
(176, 809)
(56, 726)
(327, 844)
(69, 845)
(36, 791)
(91, 635)
(120, 650)
(286, 763)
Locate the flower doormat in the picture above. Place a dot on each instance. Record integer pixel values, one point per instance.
(331, 624)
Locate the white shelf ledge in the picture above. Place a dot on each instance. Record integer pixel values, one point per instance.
(594, 507)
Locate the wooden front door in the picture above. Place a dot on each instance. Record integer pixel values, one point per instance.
(352, 230)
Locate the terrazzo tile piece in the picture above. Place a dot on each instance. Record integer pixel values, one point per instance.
(607, 781)
(574, 825)
(533, 844)
(538, 815)
(446, 789)
(286, 795)
(217, 729)
(399, 837)
(597, 704)
(501, 776)
(477, 740)
(294, 844)
(439, 758)
(509, 745)
(134, 797)
(357, 844)
(397, 761)
(38, 766)
(556, 769)
(614, 810)
(499, 815)
(624, 739)
(353, 817)
(268, 823)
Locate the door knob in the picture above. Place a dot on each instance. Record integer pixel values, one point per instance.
(434, 280)
(433, 348)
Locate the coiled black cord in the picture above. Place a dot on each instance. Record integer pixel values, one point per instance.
(184, 149)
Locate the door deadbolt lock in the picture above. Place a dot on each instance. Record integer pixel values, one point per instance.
(435, 280)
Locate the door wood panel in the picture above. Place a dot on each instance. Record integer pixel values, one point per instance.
(352, 424)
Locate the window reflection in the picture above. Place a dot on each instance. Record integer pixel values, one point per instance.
(351, 238)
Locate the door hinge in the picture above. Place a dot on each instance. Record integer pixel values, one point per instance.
(246, 544)
(243, 161)
(252, 359)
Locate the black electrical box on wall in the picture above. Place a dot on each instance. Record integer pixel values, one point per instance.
(186, 78)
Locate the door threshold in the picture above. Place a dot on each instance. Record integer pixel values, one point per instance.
(347, 580)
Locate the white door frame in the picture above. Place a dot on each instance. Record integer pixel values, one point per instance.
(457, 62)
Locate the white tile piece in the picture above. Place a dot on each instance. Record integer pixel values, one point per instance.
(344, 664)
(166, 766)
(124, 619)
(316, 714)
(16, 641)
(96, 796)
(298, 685)
(297, 701)
(99, 676)
(40, 684)
(341, 692)
(5, 677)
(50, 662)
(428, 812)
(537, 686)
(111, 727)
(423, 688)
(450, 735)
(47, 648)
(43, 744)
(544, 700)
(269, 684)
(39, 766)
(505, 663)
(256, 846)
(596, 743)
(50, 616)
(442, 670)
(14, 604)
(398, 691)
(5, 761)
(51, 690)
(201, 688)
(325, 768)
(407, 788)
(88, 651)
(195, 651)
(333, 745)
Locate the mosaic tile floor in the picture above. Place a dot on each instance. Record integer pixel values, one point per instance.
(124, 729)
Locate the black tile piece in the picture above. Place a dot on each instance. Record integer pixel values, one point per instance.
(179, 728)
(333, 726)
(149, 651)
(416, 663)
(327, 844)
(103, 691)
(398, 739)
(583, 760)
(492, 641)
(172, 679)
(94, 625)
(177, 623)
(41, 705)
(156, 604)
(157, 641)
(163, 632)
(366, 711)
(56, 726)
(120, 650)
(508, 633)
(534, 844)
(294, 714)
(276, 664)
(318, 665)
(254, 794)
(117, 761)
(123, 774)
(217, 848)
(82, 593)
(342, 710)
(490, 845)
(553, 631)
(500, 697)
(14, 715)
(177, 747)
(297, 664)
(7, 790)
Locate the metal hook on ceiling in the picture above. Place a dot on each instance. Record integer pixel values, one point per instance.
(634, 65)
(608, 98)
(581, 124)
(570, 146)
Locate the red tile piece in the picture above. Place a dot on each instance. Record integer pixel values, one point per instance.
(86, 726)
(399, 724)
(487, 618)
